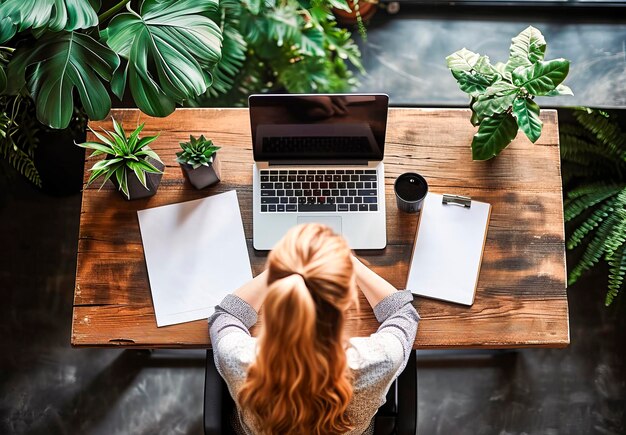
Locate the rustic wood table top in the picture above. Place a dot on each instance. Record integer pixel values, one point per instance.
(521, 298)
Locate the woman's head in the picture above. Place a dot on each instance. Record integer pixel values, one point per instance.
(299, 382)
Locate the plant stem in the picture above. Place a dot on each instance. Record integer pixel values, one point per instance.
(9, 49)
(108, 14)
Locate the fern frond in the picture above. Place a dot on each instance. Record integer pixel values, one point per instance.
(617, 237)
(604, 130)
(17, 137)
(588, 195)
(590, 224)
(596, 248)
(617, 271)
(577, 149)
(572, 170)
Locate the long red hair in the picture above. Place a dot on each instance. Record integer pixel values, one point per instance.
(300, 382)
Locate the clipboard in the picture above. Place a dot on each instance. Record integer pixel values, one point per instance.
(448, 248)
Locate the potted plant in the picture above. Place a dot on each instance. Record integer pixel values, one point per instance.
(198, 161)
(131, 165)
(502, 95)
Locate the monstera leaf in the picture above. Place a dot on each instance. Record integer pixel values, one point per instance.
(170, 48)
(55, 65)
(39, 15)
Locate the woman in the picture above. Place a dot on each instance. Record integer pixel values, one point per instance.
(303, 375)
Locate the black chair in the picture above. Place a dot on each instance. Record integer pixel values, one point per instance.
(397, 416)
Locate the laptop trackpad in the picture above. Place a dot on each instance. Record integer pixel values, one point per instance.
(334, 222)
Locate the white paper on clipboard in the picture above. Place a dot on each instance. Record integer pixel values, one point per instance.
(448, 250)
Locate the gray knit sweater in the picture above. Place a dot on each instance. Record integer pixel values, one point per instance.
(375, 361)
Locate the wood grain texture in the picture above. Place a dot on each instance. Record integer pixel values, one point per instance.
(521, 297)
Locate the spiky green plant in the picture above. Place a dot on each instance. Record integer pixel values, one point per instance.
(594, 168)
(124, 155)
(197, 152)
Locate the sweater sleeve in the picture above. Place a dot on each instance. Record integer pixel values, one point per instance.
(232, 317)
(398, 318)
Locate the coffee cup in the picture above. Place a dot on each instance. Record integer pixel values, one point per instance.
(410, 189)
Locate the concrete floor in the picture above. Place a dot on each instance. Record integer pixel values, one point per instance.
(46, 387)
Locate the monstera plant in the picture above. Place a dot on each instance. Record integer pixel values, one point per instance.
(61, 55)
(503, 95)
(164, 52)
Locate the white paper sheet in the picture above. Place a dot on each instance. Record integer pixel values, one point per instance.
(448, 250)
(196, 254)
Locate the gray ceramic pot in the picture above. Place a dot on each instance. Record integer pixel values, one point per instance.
(135, 188)
(202, 176)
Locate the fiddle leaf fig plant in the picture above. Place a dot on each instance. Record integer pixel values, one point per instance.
(502, 95)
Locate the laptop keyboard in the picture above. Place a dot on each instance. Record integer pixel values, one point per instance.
(316, 190)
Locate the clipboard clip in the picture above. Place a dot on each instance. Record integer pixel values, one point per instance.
(463, 201)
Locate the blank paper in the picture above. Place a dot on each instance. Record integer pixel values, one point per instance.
(195, 254)
(448, 250)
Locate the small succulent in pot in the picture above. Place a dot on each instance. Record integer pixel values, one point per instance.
(199, 161)
(133, 167)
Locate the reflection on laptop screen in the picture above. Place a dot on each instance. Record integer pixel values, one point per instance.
(318, 127)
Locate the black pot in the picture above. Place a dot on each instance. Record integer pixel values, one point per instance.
(203, 176)
(136, 190)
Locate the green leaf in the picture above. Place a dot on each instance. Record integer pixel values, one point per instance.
(145, 141)
(119, 129)
(103, 164)
(146, 166)
(560, 90)
(41, 15)
(472, 84)
(3, 79)
(312, 42)
(55, 65)
(617, 272)
(494, 101)
(542, 77)
(526, 49)
(340, 4)
(139, 172)
(527, 113)
(462, 60)
(484, 67)
(97, 146)
(493, 135)
(171, 47)
(122, 181)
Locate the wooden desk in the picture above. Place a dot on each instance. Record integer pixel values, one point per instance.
(521, 299)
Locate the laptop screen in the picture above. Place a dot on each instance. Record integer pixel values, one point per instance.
(318, 127)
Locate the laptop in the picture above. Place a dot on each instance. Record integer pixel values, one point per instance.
(318, 158)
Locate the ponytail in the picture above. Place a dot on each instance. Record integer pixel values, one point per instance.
(299, 382)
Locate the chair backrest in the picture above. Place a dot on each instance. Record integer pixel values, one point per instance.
(397, 416)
